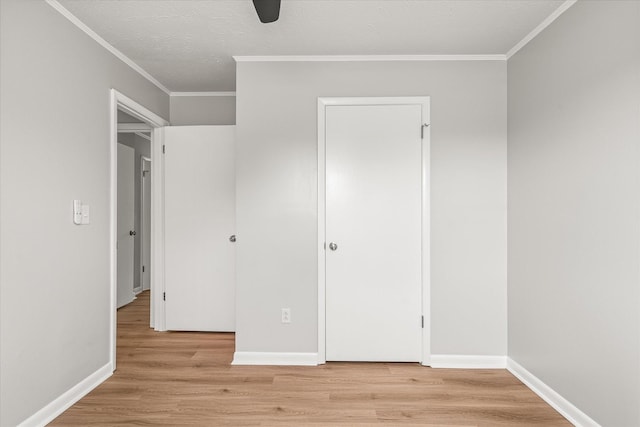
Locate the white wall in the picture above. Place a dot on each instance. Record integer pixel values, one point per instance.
(277, 196)
(203, 110)
(574, 209)
(54, 147)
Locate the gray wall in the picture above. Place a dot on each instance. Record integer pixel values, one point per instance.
(203, 110)
(574, 208)
(142, 148)
(54, 147)
(277, 196)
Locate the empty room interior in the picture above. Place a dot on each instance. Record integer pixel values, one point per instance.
(320, 212)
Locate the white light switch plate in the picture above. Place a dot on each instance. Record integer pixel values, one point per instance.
(286, 315)
(85, 215)
(77, 212)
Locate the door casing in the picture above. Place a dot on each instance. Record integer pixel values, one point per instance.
(423, 101)
(119, 101)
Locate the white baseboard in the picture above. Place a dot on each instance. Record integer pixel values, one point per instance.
(71, 396)
(555, 400)
(269, 358)
(128, 301)
(458, 361)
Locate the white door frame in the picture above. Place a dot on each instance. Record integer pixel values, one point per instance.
(423, 101)
(118, 101)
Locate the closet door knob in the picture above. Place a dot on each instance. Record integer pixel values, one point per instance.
(333, 246)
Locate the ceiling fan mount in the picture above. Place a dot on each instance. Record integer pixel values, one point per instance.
(268, 10)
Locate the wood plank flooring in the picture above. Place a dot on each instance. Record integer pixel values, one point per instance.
(185, 379)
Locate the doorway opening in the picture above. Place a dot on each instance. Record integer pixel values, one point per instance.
(134, 176)
(130, 118)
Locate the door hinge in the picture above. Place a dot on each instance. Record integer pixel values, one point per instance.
(163, 149)
(422, 130)
(422, 322)
(143, 268)
(164, 296)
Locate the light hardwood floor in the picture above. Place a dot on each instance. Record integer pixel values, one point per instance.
(185, 379)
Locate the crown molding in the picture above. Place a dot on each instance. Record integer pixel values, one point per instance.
(102, 42)
(544, 24)
(365, 58)
(203, 94)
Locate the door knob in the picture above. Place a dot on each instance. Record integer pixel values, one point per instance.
(232, 239)
(333, 246)
(132, 233)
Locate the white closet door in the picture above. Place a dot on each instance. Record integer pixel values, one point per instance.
(373, 233)
(125, 226)
(199, 220)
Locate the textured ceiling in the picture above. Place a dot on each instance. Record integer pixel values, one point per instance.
(188, 44)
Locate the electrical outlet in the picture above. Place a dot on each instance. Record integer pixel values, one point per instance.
(286, 315)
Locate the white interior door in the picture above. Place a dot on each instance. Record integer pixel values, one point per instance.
(373, 232)
(126, 159)
(145, 221)
(199, 220)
